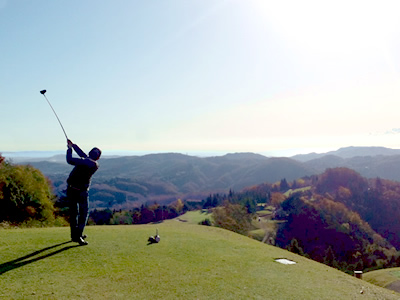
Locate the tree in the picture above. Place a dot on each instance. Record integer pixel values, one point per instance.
(295, 247)
(330, 258)
(332, 179)
(208, 203)
(136, 216)
(250, 205)
(25, 195)
(147, 215)
(284, 186)
(233, 217)
(121, 218)
(178, 205)
(276, 198)
(100, 217)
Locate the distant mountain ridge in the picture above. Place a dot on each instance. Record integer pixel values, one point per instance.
(345, 152)
(131, 180)
(349, 152)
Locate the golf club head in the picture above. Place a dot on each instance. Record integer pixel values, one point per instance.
(42, 92)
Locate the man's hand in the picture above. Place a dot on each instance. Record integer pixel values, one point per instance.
(69, 144)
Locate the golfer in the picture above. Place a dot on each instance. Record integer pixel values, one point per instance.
(78, 188)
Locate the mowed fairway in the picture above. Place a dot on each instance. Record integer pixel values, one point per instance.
(190, 262)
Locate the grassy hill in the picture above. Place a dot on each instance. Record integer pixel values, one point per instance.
(190, 262)
(387, 278)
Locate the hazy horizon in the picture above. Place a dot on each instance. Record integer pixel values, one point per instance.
(287, 153)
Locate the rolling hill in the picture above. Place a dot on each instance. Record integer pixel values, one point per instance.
(190, 262)
(387, 278)
(132, 180)
(128, 181)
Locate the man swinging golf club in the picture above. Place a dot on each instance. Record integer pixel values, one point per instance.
(78, 188)
(78, 183)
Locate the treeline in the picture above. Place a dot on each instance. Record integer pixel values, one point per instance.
(26, 197)
(247, 201)
(151, 213)
(252, 196)
(145, 214)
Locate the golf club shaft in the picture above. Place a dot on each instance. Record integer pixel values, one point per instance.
(55, 115)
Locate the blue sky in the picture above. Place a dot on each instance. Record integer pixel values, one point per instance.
(200, 76)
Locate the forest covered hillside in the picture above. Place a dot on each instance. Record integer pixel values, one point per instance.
(337, 217)
(128, 181)
(133, 180)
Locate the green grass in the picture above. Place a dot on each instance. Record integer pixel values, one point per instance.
(264, 212)
(257, 234)
(190, 262)
(289, 192)
(383, 277)
(194, 217)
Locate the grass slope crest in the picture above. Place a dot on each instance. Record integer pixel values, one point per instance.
(190, 262)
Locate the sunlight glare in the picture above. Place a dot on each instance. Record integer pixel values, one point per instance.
(334, 28)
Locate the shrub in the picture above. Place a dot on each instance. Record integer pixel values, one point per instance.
(206, 222)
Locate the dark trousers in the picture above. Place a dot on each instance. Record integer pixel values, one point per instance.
(79, 209)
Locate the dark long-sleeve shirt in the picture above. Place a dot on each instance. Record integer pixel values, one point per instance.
(83, 171)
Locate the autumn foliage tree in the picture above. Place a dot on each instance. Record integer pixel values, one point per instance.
(25, 195)
(233, 217)
(340, 182)
(331, 233)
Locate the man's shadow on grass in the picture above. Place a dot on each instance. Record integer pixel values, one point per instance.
(27, 259)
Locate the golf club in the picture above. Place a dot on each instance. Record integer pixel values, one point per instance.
(43, 93)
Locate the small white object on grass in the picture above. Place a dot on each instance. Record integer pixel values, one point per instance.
(285, 261)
